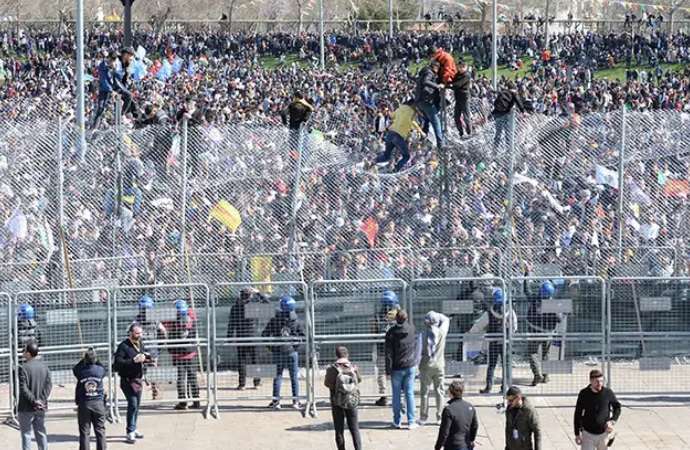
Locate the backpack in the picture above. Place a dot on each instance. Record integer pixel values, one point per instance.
(346, 394)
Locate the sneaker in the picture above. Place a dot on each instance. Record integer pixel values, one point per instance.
(131, 438)
(536, 380)
(413, 426)
(257, 382)
(297, 405)
(241, 387)
(275, 404)
(181, 406)
(486, 390)
(196, 405)
(138, 435)
(396, 425)
(421, 422)
(382, 401)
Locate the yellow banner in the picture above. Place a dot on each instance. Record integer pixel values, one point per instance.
(262, 267)
(226, 214)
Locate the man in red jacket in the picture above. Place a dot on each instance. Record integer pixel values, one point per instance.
(184, 355)
(447, 72)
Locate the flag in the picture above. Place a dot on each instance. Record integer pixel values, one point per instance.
(17, 225)
(371, 229)
(677, 188)
(261, 268)
(606, 176)
(226, 214)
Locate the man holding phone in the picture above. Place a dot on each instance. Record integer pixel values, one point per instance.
(130, 358)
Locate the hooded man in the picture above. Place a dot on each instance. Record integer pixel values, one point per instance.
(433, 363)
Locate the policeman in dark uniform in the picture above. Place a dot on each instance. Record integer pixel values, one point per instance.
(540, 323)
(27, 327)
(241, 327)
(90, 399)
(497, 318)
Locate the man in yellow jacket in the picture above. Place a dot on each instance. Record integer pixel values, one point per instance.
(404, 121)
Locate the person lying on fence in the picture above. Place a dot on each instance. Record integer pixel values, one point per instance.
(389, 305)
(285, 355)
(433, 363)
(153, 330)
(342, 380)
(242, 327)
(185, 357)
(90, 399)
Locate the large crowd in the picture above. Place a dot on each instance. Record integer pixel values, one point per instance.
(565, 207)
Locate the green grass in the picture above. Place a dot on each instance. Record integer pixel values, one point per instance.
(273, 63)
(618, 71)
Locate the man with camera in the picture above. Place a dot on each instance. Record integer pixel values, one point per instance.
(130, 358)
(34, 389)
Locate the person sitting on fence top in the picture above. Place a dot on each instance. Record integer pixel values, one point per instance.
(284, 325)
(389, 305)
(185, 355)
(27, 327)
(152, 330)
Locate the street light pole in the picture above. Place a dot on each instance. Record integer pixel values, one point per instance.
(81, 125)
(128, 21)
(494, 44)
(322, 44)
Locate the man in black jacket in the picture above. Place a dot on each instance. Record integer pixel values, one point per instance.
(401, 359)
(459, 422)
(296, 114)
(428, 99)
(540, 323)
(34, 389)
(461, 90)
(241, 327)
(130, 358)
(596, 412)
(90, 400)
(503, 105)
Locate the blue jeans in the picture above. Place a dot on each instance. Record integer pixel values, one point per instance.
(289, 361)
(101, 104)
(133, 402)
(403, 380)
(35, 420)
(394, 140)
(431, 113)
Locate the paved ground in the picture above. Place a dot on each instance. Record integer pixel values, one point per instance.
(651, 423)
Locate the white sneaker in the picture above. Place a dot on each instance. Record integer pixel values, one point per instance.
(421, 422)
(138, 435)
(413, 426)
(131, 438)
(396, 425)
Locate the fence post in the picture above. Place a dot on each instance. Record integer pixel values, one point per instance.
(292, 238)
(118, 171)
(183, 234)
(509, 199)
(621, 166)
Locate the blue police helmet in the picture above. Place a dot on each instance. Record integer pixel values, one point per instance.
(287, 304)
(145, 302)
(547, 289)
(389, 298)
(26, 312)
(498, 296)
(181, 307)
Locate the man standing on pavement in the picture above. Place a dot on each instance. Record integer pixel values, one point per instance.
(433, 363)
(242, 327)
(596, 412)
(459, 424)
(401, 355)
(130, 358)
(522, 422)
(342, 379)
(34, 389)
(90, 399)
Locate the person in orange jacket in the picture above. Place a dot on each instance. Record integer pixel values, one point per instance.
(448, 69)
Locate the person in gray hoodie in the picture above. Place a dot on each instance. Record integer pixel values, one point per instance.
(433, 363)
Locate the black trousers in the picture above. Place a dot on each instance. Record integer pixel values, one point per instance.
(187, 386)
(462, 114)
(246, 355)
(91, 414)
(495, 350)
(339, 416)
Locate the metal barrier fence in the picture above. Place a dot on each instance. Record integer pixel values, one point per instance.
(65, 323)
(561, 332)
(472, 342)
(355, 313)
(176, 329)
(6, 358)
(258, 334)
(649, 341)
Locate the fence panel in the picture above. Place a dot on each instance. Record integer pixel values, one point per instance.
(367, 264)
(454, 262)
(6, 379)
(250, 339)
(649, 341)
(353, 313)
(65, 322)
(470, 344)
(177, 338)
(560, 332)
(124, 270)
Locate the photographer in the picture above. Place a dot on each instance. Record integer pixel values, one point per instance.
(90, 399)
(130, 358)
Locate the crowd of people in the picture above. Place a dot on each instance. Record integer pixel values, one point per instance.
(565, 205)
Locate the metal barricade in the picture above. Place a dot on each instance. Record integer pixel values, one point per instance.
(649, 341)
(471, 347)
(6, 360)
(176, 329)
(65, 322)
(561, 332)
(255, 338)
(353, 313)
